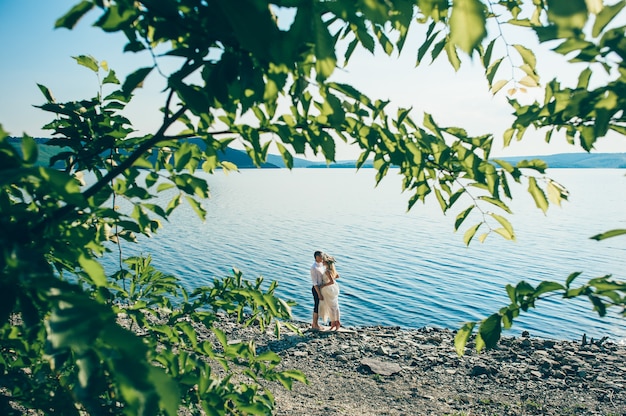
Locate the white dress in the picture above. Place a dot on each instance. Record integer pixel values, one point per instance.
(329, 307)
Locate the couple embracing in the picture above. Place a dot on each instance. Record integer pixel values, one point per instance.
(325, 291)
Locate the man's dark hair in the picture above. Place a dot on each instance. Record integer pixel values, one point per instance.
(317, 253)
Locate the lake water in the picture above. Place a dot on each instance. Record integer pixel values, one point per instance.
(399, 268)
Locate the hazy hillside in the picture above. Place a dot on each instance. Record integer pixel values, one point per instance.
(238, 157)
(243, 161)
(561, 160)
(579, 160)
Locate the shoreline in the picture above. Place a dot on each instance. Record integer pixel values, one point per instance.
(394, 371)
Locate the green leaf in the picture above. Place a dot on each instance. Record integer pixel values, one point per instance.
(529, 81)
(545, 287)
(286, 155)
(537, 194)
(508, 135)
(29, 150)
(229, 166)
(72, 17)
(556, 192)
(167, 389)
(510, 290)
(497, 87)
(605, 16)
(197, 207)
(467, 24)
(325, 59)
(46, 92)
(608, 234)
(365, 38)
(487, 54)
(221, 336)
(490, 330)
(269, 356)
(116, 17)
(165, 186)
(383, 40)
(350, 50)
(571, 45)
(602, 284)
(110, 78)
(87, 61)
(598, 305)
(136, 79)
(442, 202)
(182, 157)
(462, 336)
(506, 224)
(462, 216)
(504, 164)
(85, 365)
(571, 278)
(132, 376)
(421, 51)
(76, 321)
(536, 164)
(94, 269)
(572, 293)
(435, 9)
(508, 316)
(429, 123)
(453, 57)
(496, 202)
(492, 70)
(568, 15)
(469, 234)
(296, 375)
(439, 46)
(173, 204)
(505, 233)
(65, 185)
(253, 25)
(480, 343)
(594, 6)
(527, 56)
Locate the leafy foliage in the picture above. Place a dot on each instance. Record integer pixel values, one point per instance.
(603, 292)
(242, 75)
(63, 349)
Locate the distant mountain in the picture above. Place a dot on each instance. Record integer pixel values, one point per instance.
(560, 161)
(243, 161)
(238, 157)
(578, 160)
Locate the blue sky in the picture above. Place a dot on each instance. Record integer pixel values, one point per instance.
(34, 52)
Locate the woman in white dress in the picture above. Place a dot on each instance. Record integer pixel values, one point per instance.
(329, 302)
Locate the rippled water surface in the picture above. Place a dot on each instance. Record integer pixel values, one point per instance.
(400, 268)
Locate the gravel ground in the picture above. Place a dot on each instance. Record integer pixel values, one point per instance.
(390, 371)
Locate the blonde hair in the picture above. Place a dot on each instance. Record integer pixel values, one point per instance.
(330, 263)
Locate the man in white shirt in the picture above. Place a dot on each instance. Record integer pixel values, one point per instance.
(317, 279)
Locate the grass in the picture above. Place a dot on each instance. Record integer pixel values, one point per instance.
(533, 406)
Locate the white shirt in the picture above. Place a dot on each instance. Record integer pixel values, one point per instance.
(317, 273)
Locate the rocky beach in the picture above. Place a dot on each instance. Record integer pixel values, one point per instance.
(392, 371)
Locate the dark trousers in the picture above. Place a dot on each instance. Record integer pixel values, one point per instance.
(316, 300)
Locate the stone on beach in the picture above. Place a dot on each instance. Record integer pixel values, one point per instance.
(384, 368)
